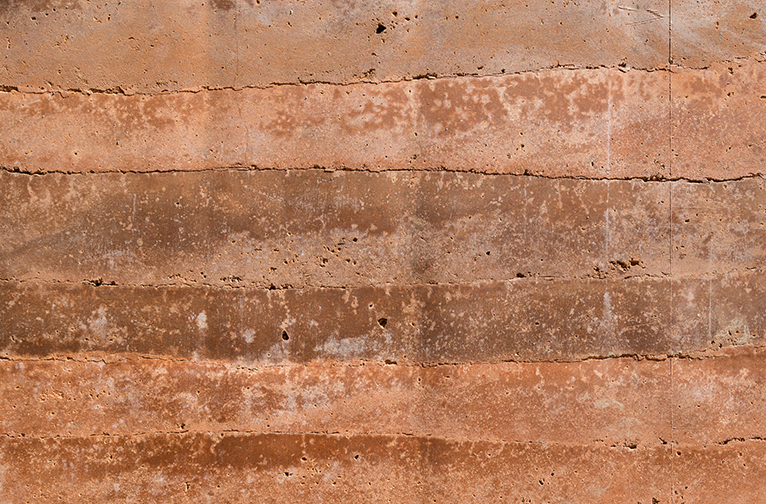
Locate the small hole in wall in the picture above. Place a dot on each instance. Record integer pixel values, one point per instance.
(285, 337)
(754, 15)
(380, 29)
(382, 322)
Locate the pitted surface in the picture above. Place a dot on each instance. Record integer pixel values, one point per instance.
(389, 251)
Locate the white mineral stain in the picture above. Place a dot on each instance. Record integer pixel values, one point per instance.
(202, 321)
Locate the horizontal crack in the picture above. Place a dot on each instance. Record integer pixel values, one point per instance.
(254, 288)
(127, 91)
(15, 170)
(615, 275)
(105, 358)
(740, 440)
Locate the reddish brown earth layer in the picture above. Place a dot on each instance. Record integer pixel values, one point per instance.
(612, 124)
(717, 120)
(317, 467)
(256, 251)
(543, 402)
(711, 399)
(148, 46)
(150, 426)
(609, 123)
(534, 320)
(313, 228)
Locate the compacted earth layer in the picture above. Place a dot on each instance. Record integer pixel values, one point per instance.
(384, 251)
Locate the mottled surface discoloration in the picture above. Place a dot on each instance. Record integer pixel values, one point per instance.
(542, 402)
(292, 229)
(524, 320)
(387, 251)
(611, 125)
(536, 320)
(733, 472)
(237, 467)
(719, 227)
(708, 31)
(149, 47)
(721, 399)
(718, 127)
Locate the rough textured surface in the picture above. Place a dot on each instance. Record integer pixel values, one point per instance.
(708, 31)
(613, 124)
(731, 473)
(283, 467)
(312, 228)
(387, 251)
(718, 227)
(720, 400)
(718, 127)
(544, 402)
(146, 46)
(524, 320)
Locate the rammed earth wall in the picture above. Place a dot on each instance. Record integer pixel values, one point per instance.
(384, 251)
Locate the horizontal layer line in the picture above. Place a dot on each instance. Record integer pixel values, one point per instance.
(102, 357)
(101, 283)
(119, 91)
(439, 169)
